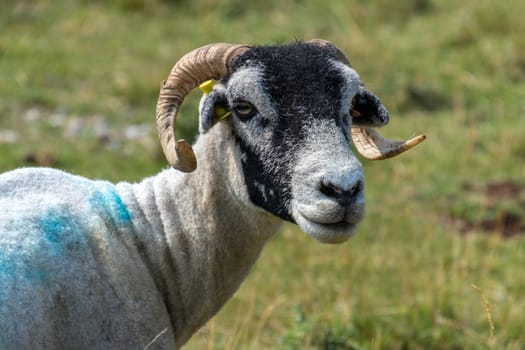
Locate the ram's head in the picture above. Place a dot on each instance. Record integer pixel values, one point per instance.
(295, 110)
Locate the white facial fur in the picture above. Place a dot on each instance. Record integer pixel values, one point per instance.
(320, 161)
(349, 89)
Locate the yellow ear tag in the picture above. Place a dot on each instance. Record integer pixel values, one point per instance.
(220, 112)
(206, 87)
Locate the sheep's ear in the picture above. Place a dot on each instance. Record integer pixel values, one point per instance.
(213, 107)
(368, 110)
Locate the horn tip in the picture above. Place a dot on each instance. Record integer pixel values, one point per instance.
(416, 140)
(186, 160)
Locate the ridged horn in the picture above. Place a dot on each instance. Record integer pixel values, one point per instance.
(373, 146)
(368, 141)
(208, 62)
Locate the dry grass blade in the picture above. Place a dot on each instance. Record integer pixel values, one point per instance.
(487, 311)
(155, 339)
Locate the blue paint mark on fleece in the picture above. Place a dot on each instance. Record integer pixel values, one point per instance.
(62, 238)
(63, 234)
(54, 227)
(8, 269)
(50, 240)
(114, 208)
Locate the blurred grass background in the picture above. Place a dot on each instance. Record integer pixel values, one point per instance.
(445, 222)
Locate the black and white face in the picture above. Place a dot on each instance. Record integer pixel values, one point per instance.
(291, 118)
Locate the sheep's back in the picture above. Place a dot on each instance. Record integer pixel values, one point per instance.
(70, 273)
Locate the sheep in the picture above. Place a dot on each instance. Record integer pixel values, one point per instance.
(87, 264)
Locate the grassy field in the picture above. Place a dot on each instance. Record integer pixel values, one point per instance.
(438, 261)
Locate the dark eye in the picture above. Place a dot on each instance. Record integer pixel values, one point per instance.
(244, 109)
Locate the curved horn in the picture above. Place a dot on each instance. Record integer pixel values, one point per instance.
(368, 141)
(373, 146)
(208, 62)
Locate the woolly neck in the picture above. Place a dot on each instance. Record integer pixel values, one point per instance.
(199, 233)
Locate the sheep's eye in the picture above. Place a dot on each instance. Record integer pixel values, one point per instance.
(244, 109)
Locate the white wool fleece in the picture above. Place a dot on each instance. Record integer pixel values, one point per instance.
(91, 265)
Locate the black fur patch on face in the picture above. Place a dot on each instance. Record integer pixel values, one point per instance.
(266, 189)
(303, 85)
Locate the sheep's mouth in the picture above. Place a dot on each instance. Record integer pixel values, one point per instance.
(326, 231)
(326, 219)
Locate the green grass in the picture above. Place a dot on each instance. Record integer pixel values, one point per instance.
(453, 70)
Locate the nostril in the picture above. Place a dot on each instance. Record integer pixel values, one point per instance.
(338, 193)
(330, 190)
(354, 191)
